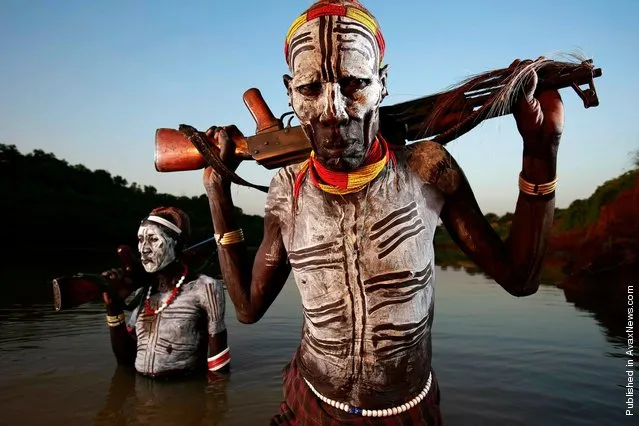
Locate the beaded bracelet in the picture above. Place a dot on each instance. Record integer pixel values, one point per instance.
(227, 238)
(115, 320)
(537, 189)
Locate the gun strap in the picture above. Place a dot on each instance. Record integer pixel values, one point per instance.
(213, 158)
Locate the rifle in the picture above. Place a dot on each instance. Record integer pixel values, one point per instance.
(71, 291)
(443, 117)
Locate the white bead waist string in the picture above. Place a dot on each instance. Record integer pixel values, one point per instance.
(375, 413)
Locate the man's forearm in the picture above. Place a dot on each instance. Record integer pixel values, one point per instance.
(532, 223)
(219, 353)
(234, 259)
(123, 345)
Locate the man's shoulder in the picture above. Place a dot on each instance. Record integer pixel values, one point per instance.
(286, 175)
(428, 151)
(281, 189)
(433, 163)
(202, 282)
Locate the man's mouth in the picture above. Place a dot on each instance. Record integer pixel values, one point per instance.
(335, 152)
(340, 147)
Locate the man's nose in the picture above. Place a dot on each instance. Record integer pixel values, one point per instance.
(334, 112)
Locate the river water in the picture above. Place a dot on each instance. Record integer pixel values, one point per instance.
(549, 359)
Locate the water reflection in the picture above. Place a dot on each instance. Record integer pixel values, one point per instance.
(604, 295)
(133, 399)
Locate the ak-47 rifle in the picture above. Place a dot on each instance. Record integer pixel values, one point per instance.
(442, 117)
(74, 290)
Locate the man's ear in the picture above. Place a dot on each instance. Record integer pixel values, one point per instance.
(287, 83)
(383, 76)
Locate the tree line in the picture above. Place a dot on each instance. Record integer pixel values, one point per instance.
(51, 206)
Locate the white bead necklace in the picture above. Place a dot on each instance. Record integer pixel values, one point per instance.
(375, 413)
(168, 301)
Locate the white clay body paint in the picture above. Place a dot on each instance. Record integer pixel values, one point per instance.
(156, 247)
(365, 274)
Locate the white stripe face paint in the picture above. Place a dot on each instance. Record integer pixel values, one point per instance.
(156, 247)
(336, 88)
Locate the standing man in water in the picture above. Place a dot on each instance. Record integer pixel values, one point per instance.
(181, 319)
(355, 222)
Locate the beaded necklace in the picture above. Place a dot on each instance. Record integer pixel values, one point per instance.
(172, 296)
(335, 182)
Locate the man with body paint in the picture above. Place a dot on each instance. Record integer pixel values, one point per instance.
(181, 318)
(355, 223)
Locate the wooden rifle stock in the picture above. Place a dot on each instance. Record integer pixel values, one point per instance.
(175, 152)
(74, 290)
(448, 114)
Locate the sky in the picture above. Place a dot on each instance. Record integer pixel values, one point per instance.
(91, 81)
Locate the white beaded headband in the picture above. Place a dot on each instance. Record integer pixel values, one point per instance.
(162, 221)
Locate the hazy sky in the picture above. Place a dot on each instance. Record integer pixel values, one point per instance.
(90, 81)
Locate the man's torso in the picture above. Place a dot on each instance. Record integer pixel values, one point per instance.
(175, 339)
(364, 266)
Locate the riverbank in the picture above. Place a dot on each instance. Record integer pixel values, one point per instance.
(593, 241)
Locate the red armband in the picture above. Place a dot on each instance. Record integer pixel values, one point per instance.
(220, 360)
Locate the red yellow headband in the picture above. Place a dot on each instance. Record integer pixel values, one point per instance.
(352, 12)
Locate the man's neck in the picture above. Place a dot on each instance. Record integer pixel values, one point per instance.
(168, 277)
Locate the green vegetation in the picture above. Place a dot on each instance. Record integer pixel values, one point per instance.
(50, 206)
(582, 213)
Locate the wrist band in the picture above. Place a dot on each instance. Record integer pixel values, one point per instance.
(537, 189)
(115, 320)
(220, 360)
(227, 238)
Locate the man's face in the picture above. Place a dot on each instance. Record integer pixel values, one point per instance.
(156, 247)
(336, 88)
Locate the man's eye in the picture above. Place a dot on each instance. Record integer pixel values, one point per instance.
(351, 85)
(311, 89)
